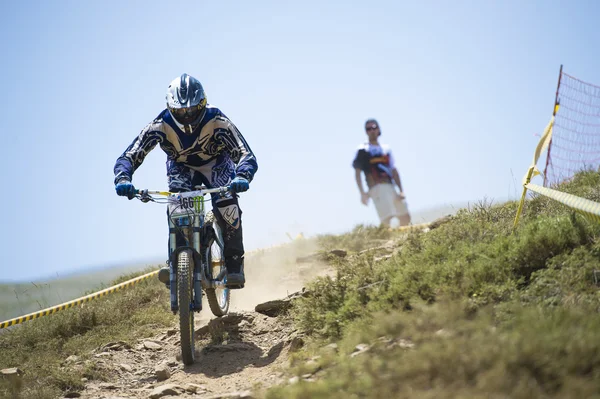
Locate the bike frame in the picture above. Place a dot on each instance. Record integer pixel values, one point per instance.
(189, 221)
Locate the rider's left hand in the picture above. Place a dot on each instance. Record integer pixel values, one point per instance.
(240, 184)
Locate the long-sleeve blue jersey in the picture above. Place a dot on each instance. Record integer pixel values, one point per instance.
(216, 149)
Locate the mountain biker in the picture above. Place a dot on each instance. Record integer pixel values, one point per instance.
(203, 147)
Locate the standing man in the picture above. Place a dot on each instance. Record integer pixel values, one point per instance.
(377, 163)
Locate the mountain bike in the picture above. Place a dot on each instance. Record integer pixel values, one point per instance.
(196, 265)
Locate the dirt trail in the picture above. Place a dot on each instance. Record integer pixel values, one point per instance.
(241, 351)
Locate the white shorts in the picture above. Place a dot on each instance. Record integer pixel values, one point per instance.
(386, 201)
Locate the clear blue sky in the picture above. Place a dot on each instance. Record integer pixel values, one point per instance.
(460, 89)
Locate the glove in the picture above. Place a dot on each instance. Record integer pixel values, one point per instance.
(124, 188)
(240, 184)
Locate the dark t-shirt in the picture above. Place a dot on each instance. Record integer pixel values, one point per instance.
(376, 162)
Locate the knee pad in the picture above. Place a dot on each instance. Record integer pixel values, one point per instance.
(230, 212)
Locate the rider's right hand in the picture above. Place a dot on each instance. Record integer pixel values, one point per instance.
(124, 188)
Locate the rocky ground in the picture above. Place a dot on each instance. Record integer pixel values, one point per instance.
(243, 351)
(235, 353)
(238, 355)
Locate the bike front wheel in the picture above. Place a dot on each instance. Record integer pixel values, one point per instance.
(185, 267)
(218, 297)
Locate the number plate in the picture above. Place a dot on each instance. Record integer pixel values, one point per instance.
(186, 204)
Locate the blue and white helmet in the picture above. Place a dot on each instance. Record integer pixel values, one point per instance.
(186, 101)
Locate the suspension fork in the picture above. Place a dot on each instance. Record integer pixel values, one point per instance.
(174, 251)
(198, 261)
(173, 265)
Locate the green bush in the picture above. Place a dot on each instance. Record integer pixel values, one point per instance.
(443, 351)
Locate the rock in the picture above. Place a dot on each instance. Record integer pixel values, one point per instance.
(273, 308)
(73, 359)
(243, 324)
(382, 258)
(232, 319)
(303, 293)
(84, 380)
(162, 337)
(195, 388)
(12, 372)
(360, 349)
(232, 395)
(152, 346)
(115, 346)
(232, 347)
(226, 323)
(72, 395)
(202, 331)
(103, 354)
(402, 343)
(126, 367)
(172, 331)
(296, 344)
(340, 253)
(294, 380)
(167, 389)
(107, 385)
(385, 340)
(405, 344)
(438, 222)
(172, 363)
(331, 347)
(237, 395)
(162, 372)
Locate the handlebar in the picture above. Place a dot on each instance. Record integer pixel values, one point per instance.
(203, 191)
(145, 195)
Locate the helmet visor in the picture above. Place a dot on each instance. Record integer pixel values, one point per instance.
(187, 115)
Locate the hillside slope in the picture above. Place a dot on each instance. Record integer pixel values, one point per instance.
(465, 308)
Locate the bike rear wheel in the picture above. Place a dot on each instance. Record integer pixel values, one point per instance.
(185, 267)
(218, 298)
